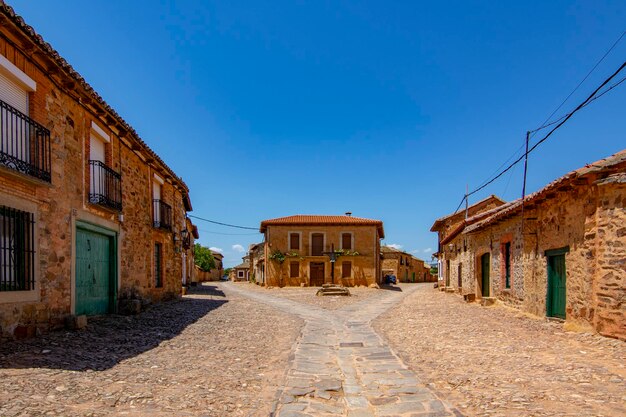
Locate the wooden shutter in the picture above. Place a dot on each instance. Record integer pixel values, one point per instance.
(294, 269)
(346, 269)
(317, 244)
(346, 241)
(294, 241)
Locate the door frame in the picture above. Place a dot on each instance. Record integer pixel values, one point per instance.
(113, 256)
(323, 265)
(548, 254)
(479, 277)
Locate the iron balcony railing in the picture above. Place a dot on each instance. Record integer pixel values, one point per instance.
(24, 143)
(162, 215)
(105, 186)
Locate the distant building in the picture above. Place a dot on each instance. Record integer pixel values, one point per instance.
(241, 272)
(297, 250)
(404, 266)
(561, 252)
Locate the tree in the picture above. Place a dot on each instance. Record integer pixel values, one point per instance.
(204, 258)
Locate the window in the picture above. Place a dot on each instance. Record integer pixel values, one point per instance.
(158, 265)
(294, 241)
(346, 269)
(240, 273)
(401, 260)
(507, 265)
(17, 250)
(294, 269)
(317, 244)
(406, 261)
(346, 241)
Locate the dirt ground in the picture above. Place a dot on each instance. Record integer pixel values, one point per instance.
(209, 354)
(307, 295)
(495, 361)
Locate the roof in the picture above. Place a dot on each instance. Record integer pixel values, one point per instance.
(217, 255)
(389, 249)
(491, 198)
(615, 162)
(323, 220)
(243, 265)
(87, 90)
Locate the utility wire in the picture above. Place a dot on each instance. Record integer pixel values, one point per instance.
(582, 81)
(565, 119)
(227, 234)
(223, 224)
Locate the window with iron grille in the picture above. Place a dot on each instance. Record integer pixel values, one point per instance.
(17, 250)
(158, 267)
(294, 269)
(346, 269)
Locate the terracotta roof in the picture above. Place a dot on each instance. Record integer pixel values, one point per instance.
(243, 265)
(325, 220)
(389, 249)
(52, 54)
(485, 200)
(615, 162)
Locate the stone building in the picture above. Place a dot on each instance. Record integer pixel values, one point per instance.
(189, 236)
(449, 227)
(404, 266)
(217, 272)
(241, 272)
(256, 255)
(88, 212)
(560, 253)
(297, 250)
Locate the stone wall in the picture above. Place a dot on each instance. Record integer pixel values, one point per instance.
(365, 266)
(60, 204)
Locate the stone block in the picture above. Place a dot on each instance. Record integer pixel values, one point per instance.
(76, 322)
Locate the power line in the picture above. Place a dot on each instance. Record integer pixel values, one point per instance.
(223, 224)
(565, 119)
(227, 234)
(582, 81)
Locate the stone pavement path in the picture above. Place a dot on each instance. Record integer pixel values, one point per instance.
(341, 367)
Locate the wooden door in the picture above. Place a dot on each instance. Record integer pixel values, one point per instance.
(94, 281)
(555, 300)
(460, 276)
(316, 272)
(317, 244)
(485, 265)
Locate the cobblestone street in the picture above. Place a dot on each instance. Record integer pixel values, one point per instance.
(210, 354)
(495, 361)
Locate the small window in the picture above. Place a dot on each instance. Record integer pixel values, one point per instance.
(346, 269)
(401, 260)
(17, 250)
(294, 241)
(507, 265)
(158, 265)
(346, 241)
(294, 269)
(240, 274)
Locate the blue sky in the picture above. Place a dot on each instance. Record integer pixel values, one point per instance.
(385, 109)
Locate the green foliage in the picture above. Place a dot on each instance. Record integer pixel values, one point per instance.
(204, 258)
(346, 252)
(227, 271)
(278, 256)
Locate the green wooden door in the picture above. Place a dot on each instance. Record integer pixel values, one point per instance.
(94, 280)
(484, 262)
(413, 277)
(555, 300)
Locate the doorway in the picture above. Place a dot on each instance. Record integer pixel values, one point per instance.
(484, 272)
(316, 272)
(556, 297)
(460, 277)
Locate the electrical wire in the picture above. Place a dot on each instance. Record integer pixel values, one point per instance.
(582, 81)
(223, 224)
(227, 234)
(565, 119)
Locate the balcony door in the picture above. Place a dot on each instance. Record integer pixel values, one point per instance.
(156, 198)
(13, 131)
(97, 153)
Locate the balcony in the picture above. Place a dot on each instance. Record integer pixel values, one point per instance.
(162, 215)
(105, 186)
(24, 144)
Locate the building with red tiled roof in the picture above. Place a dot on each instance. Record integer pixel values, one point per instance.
(298, 250)
(560, 252)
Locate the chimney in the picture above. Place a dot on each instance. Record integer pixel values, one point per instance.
(348, 213)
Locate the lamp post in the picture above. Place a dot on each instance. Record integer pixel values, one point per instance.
(333, 258)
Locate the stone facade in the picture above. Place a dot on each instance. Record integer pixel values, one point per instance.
(66, 106)
(581, 217)
(403, 265)
(358, 265)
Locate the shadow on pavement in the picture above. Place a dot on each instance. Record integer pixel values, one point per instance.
(205, 289)
(390, 287)
(107, 340)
